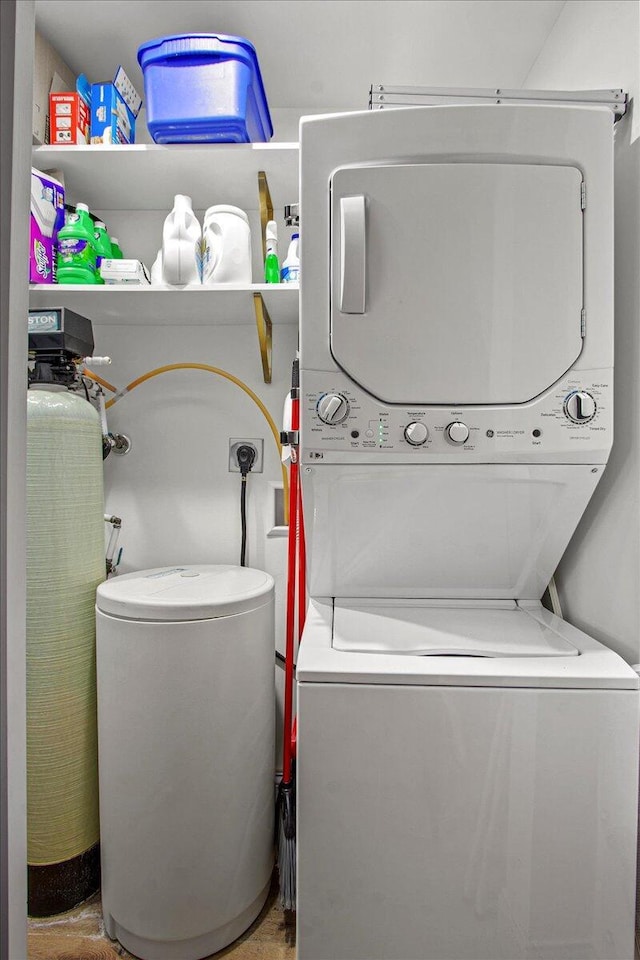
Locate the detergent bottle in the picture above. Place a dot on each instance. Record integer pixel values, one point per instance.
(116, 252)
(226, 245)
(103, 246)
(77, 254)
(157, 277)
(290, 272)
(182, 244)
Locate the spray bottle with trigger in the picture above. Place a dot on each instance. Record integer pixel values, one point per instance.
(271, 264)
(290, 272)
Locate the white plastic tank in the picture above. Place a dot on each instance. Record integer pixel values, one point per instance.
(186, 754)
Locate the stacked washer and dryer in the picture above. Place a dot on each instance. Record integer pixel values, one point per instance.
(467, 777)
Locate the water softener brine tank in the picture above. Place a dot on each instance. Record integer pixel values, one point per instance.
(186, 710)
(65, 564)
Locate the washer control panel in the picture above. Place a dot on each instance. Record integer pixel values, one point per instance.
(571, 419)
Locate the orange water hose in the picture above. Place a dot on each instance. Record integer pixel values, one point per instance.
(99, 379)
(221, 373)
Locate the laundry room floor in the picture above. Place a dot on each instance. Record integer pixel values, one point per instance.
(79, 935)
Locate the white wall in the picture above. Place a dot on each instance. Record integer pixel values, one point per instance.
(176, 497)
(595, 44)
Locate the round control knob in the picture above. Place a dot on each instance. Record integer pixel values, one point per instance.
(416, 433)
(333, 408)
(580, 406)
(457, 432)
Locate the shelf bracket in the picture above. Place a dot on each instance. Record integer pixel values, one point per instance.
(263, 323)
(266, 208)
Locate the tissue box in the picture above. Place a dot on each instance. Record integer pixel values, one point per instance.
(69, 114)
(114, 108)
(47, 216)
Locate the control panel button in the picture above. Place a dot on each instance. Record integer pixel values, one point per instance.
(457, 432)
(580, 406)
(333, 408)
(416, 433)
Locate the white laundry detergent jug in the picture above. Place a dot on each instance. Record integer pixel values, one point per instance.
(226, 245)
(157, 275)
(182, 244)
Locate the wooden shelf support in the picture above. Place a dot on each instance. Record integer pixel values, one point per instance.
(263, 323)
(266, 208)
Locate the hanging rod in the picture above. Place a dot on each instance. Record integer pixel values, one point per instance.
(382, 96)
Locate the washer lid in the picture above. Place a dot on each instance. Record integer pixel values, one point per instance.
(193, 592)
(432, 628)
(594, 668)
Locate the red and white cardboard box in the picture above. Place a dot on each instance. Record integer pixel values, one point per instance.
(69, 115)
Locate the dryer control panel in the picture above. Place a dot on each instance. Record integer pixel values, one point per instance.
(571, 422)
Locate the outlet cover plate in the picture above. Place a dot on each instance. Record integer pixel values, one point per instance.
(258, 446)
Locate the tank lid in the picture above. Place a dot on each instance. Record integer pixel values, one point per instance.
(190, 592)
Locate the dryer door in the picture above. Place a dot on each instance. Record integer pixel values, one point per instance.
(456, 283)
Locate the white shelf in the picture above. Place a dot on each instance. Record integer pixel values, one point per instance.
(148, 176)
(196, 305)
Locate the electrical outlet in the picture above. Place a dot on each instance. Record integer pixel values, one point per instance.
(257, 445)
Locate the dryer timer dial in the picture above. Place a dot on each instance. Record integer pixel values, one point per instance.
(333, 408)
(580, 406)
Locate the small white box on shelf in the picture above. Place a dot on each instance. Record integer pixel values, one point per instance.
(124, 271)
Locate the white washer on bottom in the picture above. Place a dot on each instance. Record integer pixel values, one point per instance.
(186, 753)
(480, 805)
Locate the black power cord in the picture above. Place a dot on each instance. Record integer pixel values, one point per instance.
(245, 455)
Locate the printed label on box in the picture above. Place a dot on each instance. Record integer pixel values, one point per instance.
(111, 119)
(69, 118)
(46, 218)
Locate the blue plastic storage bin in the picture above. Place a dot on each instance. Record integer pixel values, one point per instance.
(204, 88)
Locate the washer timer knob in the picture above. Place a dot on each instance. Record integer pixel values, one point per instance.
(580, 406)
(333, 408)
(416, 433)
(457, 432)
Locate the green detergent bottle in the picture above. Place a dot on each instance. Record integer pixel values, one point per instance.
(77, 254)
(116, 252)
(103, 247)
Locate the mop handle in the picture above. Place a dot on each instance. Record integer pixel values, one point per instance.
(302, 599)
(294, 501)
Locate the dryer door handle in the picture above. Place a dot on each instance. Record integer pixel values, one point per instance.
(353, 254)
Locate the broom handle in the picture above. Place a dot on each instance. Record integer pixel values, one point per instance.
(302, 567)
(294, 499)
(302, 599)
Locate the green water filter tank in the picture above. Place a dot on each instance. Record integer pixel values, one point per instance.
(65, 564)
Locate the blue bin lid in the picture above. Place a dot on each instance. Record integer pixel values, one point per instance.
(198, 44)
(179, 44)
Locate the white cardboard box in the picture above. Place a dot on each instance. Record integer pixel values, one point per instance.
(48, 64)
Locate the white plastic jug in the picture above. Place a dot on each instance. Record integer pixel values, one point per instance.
(182, 244)
(226, 245)
(157, 276)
